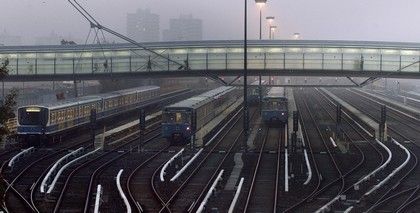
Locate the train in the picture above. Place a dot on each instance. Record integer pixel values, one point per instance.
(254, 91)
(40, 124)
(274, 108)
(181, 120)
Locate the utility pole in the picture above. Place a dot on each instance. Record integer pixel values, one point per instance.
(246, 124)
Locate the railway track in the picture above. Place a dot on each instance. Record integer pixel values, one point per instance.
(400, 183)
(188, 190)
(76, 192)
(24, 181)
(264, 185)
(372, 155)
(349, 165)
(332, 180)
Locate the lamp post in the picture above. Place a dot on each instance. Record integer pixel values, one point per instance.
(260, 4)
(272, 30)
(246, 128)
(270, 20)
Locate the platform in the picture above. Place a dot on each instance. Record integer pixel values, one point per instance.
(404, 97)
(209, 127)
(101, 138)
(413, 94)
(373, 126)
(412, 110)
(291, 106)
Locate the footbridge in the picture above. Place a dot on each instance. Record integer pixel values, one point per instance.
(213, 58)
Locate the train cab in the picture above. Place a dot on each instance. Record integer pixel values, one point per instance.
(32, 122)
(177, 124)
(274, 109)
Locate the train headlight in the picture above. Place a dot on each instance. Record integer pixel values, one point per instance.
(282, 113)
(188, 128)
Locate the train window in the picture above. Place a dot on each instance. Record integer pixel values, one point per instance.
(283, 105)
(98, 106)
(52, 117)
(30, 118)
(68, 114)
(65, 114)
(59, 116)
(176, 117)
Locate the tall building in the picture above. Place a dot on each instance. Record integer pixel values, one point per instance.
(143, 26)
(184, 28)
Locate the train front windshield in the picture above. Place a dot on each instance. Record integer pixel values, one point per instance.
(275, 104)
(30, 116)
(176, 117)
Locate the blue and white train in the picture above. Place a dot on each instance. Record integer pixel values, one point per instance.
(184, 118)
(44, 122)
(274, 108)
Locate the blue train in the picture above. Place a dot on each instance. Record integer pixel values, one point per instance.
(43, 123)
(274, 108)
(254, 91)
(184, 118)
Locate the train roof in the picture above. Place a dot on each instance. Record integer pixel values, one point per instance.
(128, 91)
(91, 98)
(199, 100)
(276, 92)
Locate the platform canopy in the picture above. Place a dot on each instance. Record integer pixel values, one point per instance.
(213, 58)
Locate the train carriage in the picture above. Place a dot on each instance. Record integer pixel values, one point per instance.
(184, 118)
(274, 109)
(254, 91)
(44, 122)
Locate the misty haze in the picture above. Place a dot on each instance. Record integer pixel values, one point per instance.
(209, 106)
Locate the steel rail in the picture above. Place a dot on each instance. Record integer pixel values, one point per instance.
(196, 169)
(403, 136)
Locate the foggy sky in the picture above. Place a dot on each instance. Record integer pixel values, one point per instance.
(381, 20)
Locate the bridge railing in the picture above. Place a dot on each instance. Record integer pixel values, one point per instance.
(212, 58)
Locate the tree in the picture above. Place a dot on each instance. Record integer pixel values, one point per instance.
(3, 69)
(65, 42)
(8, 104)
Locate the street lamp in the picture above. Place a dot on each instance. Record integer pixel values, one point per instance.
(296, 36)
(272, 30)
(261, 4)
(270, 20)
